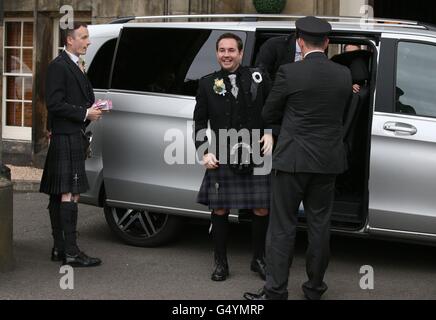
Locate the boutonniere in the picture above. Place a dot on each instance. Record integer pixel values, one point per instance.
(257, 77)
(82, 64)
(219, 87)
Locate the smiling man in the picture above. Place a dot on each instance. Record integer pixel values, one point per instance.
(70, 104)
(232, 98)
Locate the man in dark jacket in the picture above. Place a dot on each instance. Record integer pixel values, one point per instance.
(69, 100)
(308, 100)
(276, 52)
(232, 98)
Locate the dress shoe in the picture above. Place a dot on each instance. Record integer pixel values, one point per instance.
(261, 295)
(258, 265)
(221, 271)
(313, 293)
(57, 255)
(81, 260)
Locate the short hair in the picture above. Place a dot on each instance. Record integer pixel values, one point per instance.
(318, 43)
(233, 36)
(68, 32)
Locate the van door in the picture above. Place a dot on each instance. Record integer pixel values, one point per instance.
(402, 182)
(99, 75)
(154, 83)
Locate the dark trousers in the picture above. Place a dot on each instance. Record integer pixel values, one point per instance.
(316, 191)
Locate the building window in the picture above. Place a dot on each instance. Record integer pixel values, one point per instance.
(17, 79)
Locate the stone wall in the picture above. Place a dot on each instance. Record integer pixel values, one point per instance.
(18, 5)
(104, 10)
(352, 8)
(1, 81)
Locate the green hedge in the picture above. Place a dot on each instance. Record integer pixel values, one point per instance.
(269, 6)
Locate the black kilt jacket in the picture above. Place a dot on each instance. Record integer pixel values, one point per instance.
(218, 109)
(68, 94)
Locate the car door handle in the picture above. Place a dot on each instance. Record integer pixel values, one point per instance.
(400, 128)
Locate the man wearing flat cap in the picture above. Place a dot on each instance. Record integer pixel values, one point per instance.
(305, 107)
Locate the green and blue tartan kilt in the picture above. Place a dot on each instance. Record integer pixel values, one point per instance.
(223, 189)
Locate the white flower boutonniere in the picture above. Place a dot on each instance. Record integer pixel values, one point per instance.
(219, 87)
(257, 77)
(82, 64)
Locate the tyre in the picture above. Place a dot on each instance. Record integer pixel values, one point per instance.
(141, 227)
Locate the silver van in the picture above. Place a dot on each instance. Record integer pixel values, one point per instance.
(150, 70)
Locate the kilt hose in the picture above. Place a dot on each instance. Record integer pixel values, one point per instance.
(64, 169)
(223, 189)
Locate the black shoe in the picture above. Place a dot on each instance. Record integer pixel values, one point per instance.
(81, 260)
(258, 265)
(261, 295)
(57, 255)
(221, 271)
(313, 293)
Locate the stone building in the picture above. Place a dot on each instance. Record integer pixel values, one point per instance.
(29, 40)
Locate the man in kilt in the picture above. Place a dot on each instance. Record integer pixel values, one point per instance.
(232, 98)
(70, 105)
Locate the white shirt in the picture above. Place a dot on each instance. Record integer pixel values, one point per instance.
(75, 59)
(298, 55)
(317, 50)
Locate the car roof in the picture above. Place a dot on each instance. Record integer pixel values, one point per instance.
(252, 22)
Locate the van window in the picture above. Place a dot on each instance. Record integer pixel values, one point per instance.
(100, 68)
(416, 83)
(165, 60)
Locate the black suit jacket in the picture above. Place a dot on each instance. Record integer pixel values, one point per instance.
(68, 95)
(308, 101)
(217, 109)
(276, 52)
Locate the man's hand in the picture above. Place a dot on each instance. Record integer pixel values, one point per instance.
(94, 113)
(210, 161)
(268, 143)
(356, 88)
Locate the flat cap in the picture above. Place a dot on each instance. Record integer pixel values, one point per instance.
(312, 28)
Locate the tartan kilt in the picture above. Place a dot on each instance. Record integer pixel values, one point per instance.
(64, 169)
(223, 189)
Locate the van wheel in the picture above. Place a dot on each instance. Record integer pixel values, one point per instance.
(141, 227)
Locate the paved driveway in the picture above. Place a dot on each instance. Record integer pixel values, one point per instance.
(181, 270)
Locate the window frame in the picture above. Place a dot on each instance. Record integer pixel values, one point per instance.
(395, 76)
(248, 52)
(16, 132)
(92, 64)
